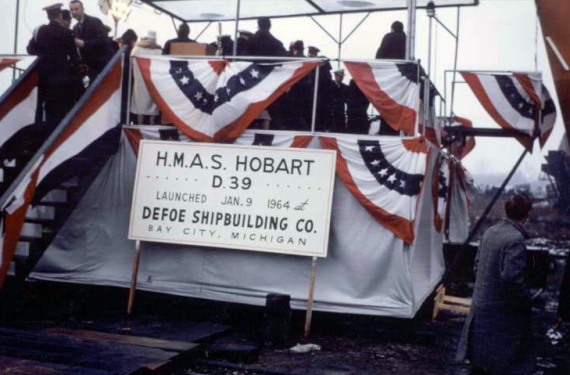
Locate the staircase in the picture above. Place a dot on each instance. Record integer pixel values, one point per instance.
(49, 209)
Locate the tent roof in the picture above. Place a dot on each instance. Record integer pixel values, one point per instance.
(225, 10)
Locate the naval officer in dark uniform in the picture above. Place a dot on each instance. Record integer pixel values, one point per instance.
(59, 81)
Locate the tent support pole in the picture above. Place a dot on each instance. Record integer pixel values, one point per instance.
(315, 97)
(134, 277)
(411, 39)
(310, 299)
(455, 63)
(339, 41)
(16, 36)
(234, 52)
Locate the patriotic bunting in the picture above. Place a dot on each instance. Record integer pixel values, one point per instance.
(392, 88)
(6, 62)
(135, 134)
(99, 115)
(216, 100)
(385, 175)
(462, 149)
(440, 190)
(17, 112)
(514, 101)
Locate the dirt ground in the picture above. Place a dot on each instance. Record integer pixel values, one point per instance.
(348, 344)
(372, 345)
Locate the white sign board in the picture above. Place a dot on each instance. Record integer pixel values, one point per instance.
(240, 197)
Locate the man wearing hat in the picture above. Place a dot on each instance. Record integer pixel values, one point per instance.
(91, 39)
(59, 84)
(143, 106)
(339, 95)
(313, 51)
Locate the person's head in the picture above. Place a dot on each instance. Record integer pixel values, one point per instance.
(183, 30)
(65, 18)
(298, 47)
(264, 23)
(150, 35)
(129, 37)
(397, 27)
(76, 9)
(339, 75)
(518, 207)
(54, 12)
(313, 51)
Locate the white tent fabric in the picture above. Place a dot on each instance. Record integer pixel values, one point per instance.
(225, 10)
(368, 269)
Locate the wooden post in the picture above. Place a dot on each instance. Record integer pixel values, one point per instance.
(310, 299)
(134, 276)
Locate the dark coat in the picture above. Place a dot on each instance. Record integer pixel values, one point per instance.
(497, 335)
(393, 46)
(97, 50)
(59, 84)
(339, 96)
(262, 43)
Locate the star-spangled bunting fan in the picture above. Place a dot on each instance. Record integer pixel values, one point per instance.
(98, 117)
(216, 100)
(135, 134)
(385, 175)
(515, 101)
(392, 88)
(440, 190)
(18, 112)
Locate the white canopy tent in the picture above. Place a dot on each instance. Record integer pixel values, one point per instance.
(225, 10)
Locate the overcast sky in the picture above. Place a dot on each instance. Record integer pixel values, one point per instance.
(496, 35)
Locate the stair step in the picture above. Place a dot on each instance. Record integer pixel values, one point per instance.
(45, 222)
(41, 212)
(55, 195)
(9, 163)
(22, 249)
(52, 204)
(71, 183)
(31, 230)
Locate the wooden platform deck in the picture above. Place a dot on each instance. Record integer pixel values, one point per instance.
(140, 348)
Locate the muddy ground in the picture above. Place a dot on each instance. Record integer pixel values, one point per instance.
(349, 344)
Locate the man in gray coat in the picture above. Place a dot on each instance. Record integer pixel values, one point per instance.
(497, 336)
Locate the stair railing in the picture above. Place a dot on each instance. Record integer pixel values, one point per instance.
(8, 194)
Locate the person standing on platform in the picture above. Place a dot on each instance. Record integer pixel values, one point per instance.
(357, 103)
(324, 104)
(262, 43)
(339, 95)
(91, 39)
(393, 44)
(142, 105)
(183, 33)
(497, 335)
(243, 42)
(59, 81)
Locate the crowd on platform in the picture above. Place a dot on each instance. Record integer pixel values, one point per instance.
(71, 58)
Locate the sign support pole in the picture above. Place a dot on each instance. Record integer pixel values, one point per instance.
(310, 298)
(134, 277)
